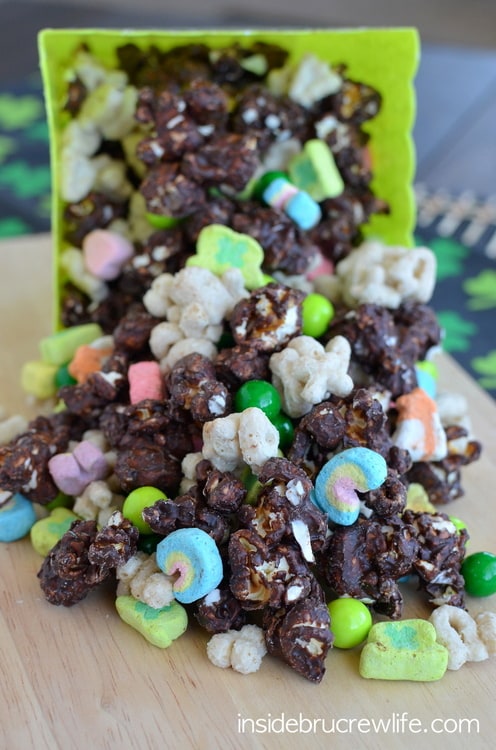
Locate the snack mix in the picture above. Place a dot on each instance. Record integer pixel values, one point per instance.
(246, 425)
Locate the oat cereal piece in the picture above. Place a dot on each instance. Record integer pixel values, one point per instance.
(458, 632)
(195, 300)
(141, 578)
(486, 628)
(305, 373)
(243, 650)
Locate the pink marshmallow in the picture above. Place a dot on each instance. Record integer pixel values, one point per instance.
(91, 460)
(105, 253)
(72, 472)
(145, 381)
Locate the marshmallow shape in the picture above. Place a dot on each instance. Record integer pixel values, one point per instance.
(72, 472)
(145, 381)
(17, 516)
(61, 346)
(353, 469)
(192, 555)
(419, 429)
(159, 626)
(105, 253)
(46, 532)
(403, 650)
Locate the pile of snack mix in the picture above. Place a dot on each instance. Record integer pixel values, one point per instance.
(246, 428)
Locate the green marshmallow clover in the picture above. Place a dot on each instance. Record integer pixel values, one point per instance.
(220, 248)
(159, 626)
(404, 650)
(314, 171)
(46, 532)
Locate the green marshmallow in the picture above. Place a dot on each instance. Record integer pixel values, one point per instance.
(220, 248)
(159, 626)
(60, 348)
(314, 171)
(38, 379)
(404, 650)
(46, 532)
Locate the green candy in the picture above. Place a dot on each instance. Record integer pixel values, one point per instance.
(314, 171)
(403, 650)
(350, 622)
(285, 428)
(136, 501)
(148, 542)
(63, 377)
(159, 626)
(264, 182)
(162, 222)
(46, 532)
(261, 394)
(317, 313)
(479, 572)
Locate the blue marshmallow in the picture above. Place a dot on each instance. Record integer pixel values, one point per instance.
(192, 556)
(16, 518)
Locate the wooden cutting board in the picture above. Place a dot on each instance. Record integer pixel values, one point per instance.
(80, 678)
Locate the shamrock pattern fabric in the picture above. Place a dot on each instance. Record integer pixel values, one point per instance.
(459, 229)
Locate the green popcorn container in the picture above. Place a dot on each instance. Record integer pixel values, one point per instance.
(385, 59)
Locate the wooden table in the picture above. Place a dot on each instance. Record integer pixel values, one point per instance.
(81, 678)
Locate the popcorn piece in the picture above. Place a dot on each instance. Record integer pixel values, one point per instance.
(243, 650)
(258, 438)
(72, 263)
(462, 635)
(110, 107)
(307, 83)
(11, 427)
(305, 373)
(389, 276)
(248, 436)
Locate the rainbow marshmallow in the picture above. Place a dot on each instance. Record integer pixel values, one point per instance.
(353, 469)
(192, 556)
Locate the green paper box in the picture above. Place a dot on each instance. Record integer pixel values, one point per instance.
(385, 59)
